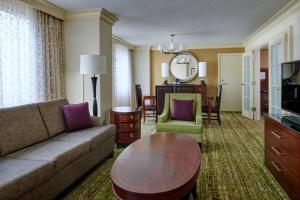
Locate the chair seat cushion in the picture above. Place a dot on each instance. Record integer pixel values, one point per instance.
(205, 109)
(20, 176)
(150, 107)
(61, 153)
(96, 136)
(175, 126)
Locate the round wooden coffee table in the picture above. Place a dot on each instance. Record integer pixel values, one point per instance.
(161, 167)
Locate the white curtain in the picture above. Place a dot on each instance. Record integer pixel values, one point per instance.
(25, 54)
(121, 76)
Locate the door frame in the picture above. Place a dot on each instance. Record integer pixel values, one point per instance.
(219, 63)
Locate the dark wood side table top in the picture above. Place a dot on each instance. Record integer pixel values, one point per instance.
(124, 109)
(161, 167)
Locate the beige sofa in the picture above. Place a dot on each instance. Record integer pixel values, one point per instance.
(37, 159)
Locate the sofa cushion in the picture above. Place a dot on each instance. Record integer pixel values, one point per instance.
(182, 110)
(96, 135)
(20, 176)
(61, 153)
(52, 115)
(174, 126)
(77, 117)
(20, 127)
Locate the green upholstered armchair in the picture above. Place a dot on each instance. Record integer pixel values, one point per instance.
(193, 128)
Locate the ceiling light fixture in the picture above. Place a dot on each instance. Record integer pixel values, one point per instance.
(173, 49)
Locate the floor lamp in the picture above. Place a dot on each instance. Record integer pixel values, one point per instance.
(92, 65)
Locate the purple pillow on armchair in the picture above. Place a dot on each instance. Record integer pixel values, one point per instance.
(182, 110)
(77, 116)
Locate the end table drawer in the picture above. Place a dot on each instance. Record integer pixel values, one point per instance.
(129, 117)
(129, 126)
(128, 137)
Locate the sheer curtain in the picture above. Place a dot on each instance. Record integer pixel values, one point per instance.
(121, 76)
(31, 55)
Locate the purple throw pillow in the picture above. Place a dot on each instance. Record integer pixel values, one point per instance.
(77, 116)
(182, 110)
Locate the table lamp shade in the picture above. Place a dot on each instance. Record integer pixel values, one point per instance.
(92, 64)
(164, 70)
(202, 69)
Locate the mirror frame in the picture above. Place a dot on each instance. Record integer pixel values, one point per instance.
(192, 77)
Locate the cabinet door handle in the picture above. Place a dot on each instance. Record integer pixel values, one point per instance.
(276, 134)
(131, 125)
(276, 167)
(131, 117)
(131, 135)
(276, 151)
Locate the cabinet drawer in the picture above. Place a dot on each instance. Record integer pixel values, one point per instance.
(289, 182)
(129, 117)
(283, 155)
(284, 137)
(129, 126)
(128, 137)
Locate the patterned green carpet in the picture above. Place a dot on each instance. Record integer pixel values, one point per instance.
(232, 165)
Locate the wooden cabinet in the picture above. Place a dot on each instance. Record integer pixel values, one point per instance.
(282, 156)
(128, 124)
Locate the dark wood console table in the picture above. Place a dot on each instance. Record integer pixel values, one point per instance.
(282, 150)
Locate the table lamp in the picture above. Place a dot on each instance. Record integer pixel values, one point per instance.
(165, 72)
(92, 65)
(202, 72)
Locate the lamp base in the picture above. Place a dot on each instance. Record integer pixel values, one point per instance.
(202, 82)
(95, 106)
(165, 82)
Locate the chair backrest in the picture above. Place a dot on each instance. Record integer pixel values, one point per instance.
(138, 95)
(218, 97)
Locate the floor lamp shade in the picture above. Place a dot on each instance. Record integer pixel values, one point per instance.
(93, 64)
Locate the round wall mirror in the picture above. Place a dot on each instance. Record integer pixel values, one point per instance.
(184, 67)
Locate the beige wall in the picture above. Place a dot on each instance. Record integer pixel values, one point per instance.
(207, 55)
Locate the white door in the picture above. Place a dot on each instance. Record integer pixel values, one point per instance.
(247, 86)
(276, 57)
(230, 76)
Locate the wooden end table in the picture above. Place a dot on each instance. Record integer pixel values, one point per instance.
(161, 167)
(128, 124)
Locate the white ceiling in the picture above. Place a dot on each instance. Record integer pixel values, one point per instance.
(195, 22)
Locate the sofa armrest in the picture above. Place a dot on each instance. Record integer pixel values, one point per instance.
(163, 117)
(97, 121)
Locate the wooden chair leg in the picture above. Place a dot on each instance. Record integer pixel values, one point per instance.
(144, 115)
(219, 119)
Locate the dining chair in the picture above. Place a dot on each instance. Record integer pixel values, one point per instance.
(214, 110)
(147, 103)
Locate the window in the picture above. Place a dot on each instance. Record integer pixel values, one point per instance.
(121, 76)
(18, 73)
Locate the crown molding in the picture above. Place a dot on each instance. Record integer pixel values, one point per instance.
(108, 17)
(47, 7)
(100, 13)
(143, 47)
(83, 14)
(208, 46)
(287, 10)
(116, 39)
